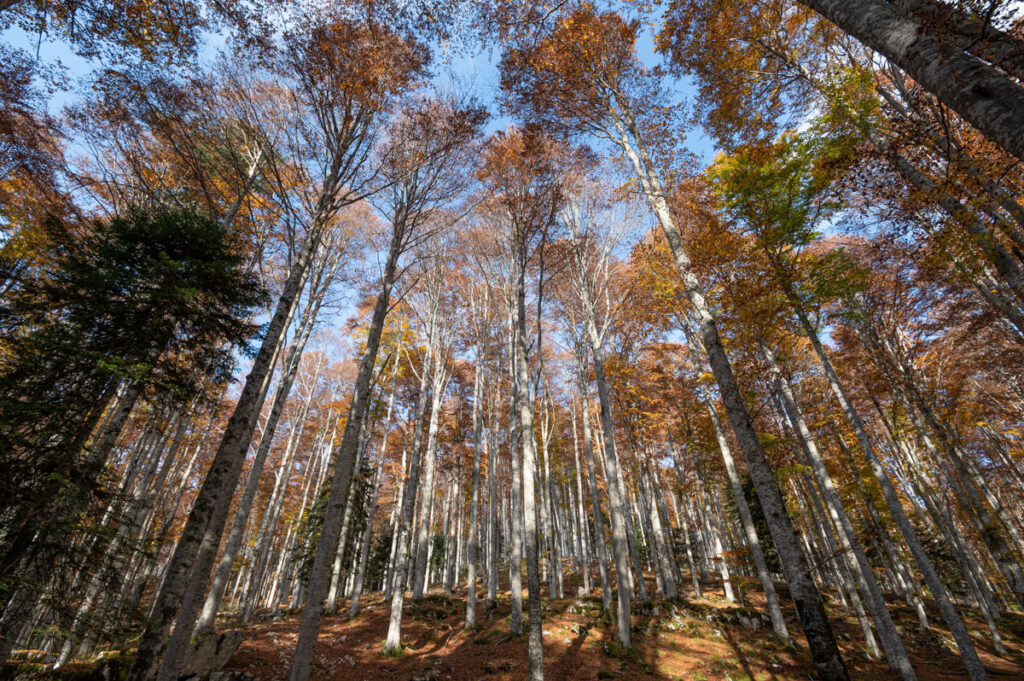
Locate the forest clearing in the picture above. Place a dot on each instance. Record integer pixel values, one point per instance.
(408, 339)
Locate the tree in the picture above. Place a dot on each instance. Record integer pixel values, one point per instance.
(781, 195)
(429, 147)
(151, 301)
(346, 76)
(584, 78)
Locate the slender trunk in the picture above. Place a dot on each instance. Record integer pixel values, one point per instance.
(616, 493)
(319, 580)
(595, 499)
(898, 660)
(423, 541)
(536, 644)
(924, 565)
(805, 594)
(767, 584)
(364, 549)
(405, 517)
(478, 380)
(235, 535)
(194, 554)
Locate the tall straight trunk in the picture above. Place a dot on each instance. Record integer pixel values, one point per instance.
(750, 531)
(548, 514)
(805, 594)
(713, 523)
(478, 380)
(396, 515)
(692, 563)
(898, 660)
(423, 541)
(616, 493)
(515, 555)
(586, 555)
(907, 582)
(492, 512)
(660, 544)
(984, 97)
(536, 643)
(364, 549)
(924, 564)
(406, 516)
(193, 556)
(337, 567)
(595, 500)
(320, 575)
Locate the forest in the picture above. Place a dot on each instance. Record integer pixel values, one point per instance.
(511, 339)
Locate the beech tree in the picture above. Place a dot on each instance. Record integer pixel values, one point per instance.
(781, 388)
(552, 86)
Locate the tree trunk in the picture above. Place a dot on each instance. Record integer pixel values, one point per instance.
(963, 640)
(767, 584)
(805, 594)
(852, 551)
(985, 98)
(475, 502)
(405, 517)
(320, 575)
(536, 644)
(196, 549)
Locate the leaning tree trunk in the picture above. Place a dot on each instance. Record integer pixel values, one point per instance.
(983, 96)
(898, 660)
(320, 575)
(750, 531)
(924, 564)
(196, 548)
(364, 549)
(809, 605)
(237, 531)
(403, 531)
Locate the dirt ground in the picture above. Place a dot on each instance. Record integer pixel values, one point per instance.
(693, 639)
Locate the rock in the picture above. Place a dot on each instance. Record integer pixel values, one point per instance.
(231, 676)
(495, 666)
(752, 622)
(210, 655)
(580, 592)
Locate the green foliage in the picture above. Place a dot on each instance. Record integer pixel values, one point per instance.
(157, 298)
(781, 192)
(380, 558)
(312, 522)
(437, 556)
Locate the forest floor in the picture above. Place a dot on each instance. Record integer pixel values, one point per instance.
(689, 639)
(692, 639)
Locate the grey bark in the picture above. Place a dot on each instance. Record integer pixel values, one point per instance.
(805, 594)
(984, 97)
(319, 581)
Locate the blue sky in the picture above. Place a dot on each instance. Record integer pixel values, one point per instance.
(476, 73)
(479, 73)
